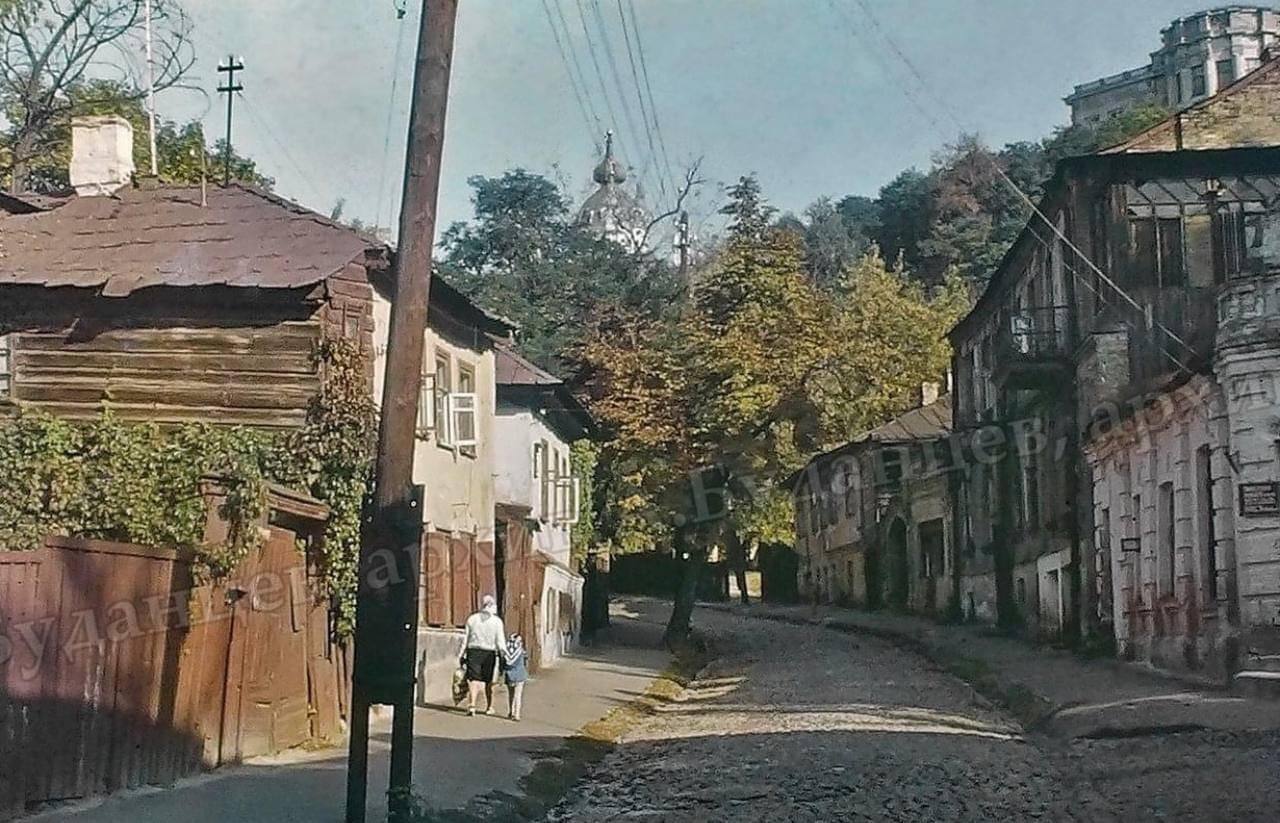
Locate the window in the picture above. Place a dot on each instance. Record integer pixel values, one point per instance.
(850, 492)
(1146, 269)
(539, 450)
(1031, 489)
(426, 402)
(463, 406)
(1158, 251)
(1245, 240)
(1177, 87)
(6, 366)
(815, 515)
(441, 385)
(1165, 559)
(1171, 263)
(1226, 73)
(1198, 85)
(547, 488)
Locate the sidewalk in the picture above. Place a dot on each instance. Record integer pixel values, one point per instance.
(1048, 690)
(457, 760)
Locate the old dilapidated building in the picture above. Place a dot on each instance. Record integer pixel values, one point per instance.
(1117, 384)
(874, 520)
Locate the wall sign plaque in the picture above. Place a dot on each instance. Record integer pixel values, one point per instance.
(1131, 544)
(1259, 499)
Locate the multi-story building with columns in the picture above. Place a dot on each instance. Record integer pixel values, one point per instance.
(1199, 55)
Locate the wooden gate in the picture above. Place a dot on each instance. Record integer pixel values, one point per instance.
(117, 672)
(265, 708)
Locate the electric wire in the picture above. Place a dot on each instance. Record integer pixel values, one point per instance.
(391, 108)
(645, 114)
(623, 98)
(1017, 190)
(588, 115)
(653, 109)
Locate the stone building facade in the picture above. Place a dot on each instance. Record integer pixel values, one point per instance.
(1199, 55)
(1121, 367)
(875, 520)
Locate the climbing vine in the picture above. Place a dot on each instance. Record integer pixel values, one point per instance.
(138, 482)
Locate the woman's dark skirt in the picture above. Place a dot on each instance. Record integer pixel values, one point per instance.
(480, 665)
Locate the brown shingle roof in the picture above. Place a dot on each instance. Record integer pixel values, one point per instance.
(164, 237)
(511, 369)
(924, 423)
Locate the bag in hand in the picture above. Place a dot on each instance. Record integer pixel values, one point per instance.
(460, 681)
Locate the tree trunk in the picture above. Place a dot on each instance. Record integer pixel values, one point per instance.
(682, 609)
(20, 173)
(738, 560)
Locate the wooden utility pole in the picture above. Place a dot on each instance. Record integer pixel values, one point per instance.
(230, 90)
(391, 544)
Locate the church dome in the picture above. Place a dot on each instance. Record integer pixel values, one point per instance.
(611, 211)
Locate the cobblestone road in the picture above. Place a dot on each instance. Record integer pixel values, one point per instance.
(797, 722)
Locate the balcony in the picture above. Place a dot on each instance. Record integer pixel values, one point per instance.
(1033, 349)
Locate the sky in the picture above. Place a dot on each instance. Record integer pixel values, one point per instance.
(807, 94)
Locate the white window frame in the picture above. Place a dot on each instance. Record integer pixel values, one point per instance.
(575, 501)
(427, 403)
(458, 405)
(538, 449)
(6, 366)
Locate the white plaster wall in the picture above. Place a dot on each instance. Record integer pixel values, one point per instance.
(518, 429)
(557, 638)
(1251, 378)
(459, 486)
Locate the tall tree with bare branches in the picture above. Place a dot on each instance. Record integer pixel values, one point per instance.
(49, 49)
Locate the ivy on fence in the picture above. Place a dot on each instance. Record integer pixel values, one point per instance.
(140, 482)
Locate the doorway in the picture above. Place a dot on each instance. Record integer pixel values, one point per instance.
(899, 565)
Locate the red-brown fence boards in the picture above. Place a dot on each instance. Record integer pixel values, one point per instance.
(116, 672)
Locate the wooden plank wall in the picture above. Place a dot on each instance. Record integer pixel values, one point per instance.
(456, 573)
(246, 375)
(115, 671)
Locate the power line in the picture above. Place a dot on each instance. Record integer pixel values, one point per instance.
(645, 114)
(588, 116)
(604, 90)
(257, 118)
(607, 43)
(581, 75)
(391, 107)
(1017, 190)
(653, 109)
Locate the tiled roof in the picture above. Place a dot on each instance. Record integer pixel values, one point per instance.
(929, 422)
(924, 423)
(511, 369)
(143, 237)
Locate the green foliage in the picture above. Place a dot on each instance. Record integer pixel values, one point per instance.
(762, 370)
(524, 257)
(182, 154)
(129, 482)
(585, 459)
(140, 483)
(958, 217)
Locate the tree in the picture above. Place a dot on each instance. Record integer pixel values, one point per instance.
(183, 156)
(52, 50)
(523, 257)
(761, 370)
(905, 212)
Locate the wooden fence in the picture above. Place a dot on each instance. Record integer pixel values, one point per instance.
(116, 671)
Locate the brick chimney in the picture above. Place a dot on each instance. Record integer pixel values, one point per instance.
(101, 154)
